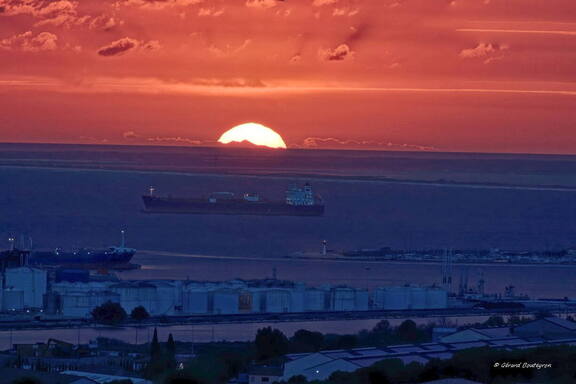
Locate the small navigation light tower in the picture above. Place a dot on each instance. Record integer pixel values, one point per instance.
(123, 234)
(151, 191)
(324, 247)
(11, 240)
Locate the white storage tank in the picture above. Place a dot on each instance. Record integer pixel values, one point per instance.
(278, 301)
(12, 299)
(246, 302)
(314, 300)
(225, 301)
(297, 300)
(195, 301)
(397, 298)
(362, 300)
(418, 298)
(343, 299)
(166, 298)
(136, 294)
(437, 298)
(378, 297)
(32, 281)
(81, 304)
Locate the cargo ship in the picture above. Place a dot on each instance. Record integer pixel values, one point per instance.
(97, 257)
(299, 201)
(116, 257)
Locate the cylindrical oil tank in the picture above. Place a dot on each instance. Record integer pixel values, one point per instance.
(246, 302)
(378, 297)
(362, 300)
(314, 300)
(13, 300)
(418, 298)
(297, 300)
(277, 301)
(32, 281)
(195, 301)
(135, 294)
(397, 298)
(436, 298)
(343, 299)
(225, 301)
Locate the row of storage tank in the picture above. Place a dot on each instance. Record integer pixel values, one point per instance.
(176, 297)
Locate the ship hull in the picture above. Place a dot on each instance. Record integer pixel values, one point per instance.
(81, 257)
(154, 204)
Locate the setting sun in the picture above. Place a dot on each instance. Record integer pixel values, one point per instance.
(254, 133)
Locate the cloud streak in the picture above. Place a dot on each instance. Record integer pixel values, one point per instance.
(519, 31)
(333, 142)
(251, 87)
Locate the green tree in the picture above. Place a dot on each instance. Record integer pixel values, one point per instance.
(306, 341)
(171, 351)
(383, 326)
(139, 313)
(182, 378)
(27, 380)
(382, 333)
(159, 363)
(298, 379)
(270, 343)
(408, 331)
(109, 313)
(495, 321)
(155, 350)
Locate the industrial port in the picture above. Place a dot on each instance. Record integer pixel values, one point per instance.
(54, 295)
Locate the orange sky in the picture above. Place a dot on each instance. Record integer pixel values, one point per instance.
(462, 75)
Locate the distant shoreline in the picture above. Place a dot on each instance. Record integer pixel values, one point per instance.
(292, 149)
(343, 260)
(309, 176)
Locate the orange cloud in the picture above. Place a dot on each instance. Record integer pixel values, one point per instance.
(28, 42)
(339, 53)
(333, 142)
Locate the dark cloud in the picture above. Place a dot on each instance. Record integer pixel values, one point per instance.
(126, 44)
(118, 47)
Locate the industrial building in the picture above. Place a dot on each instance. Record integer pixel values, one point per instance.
(321, 365)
